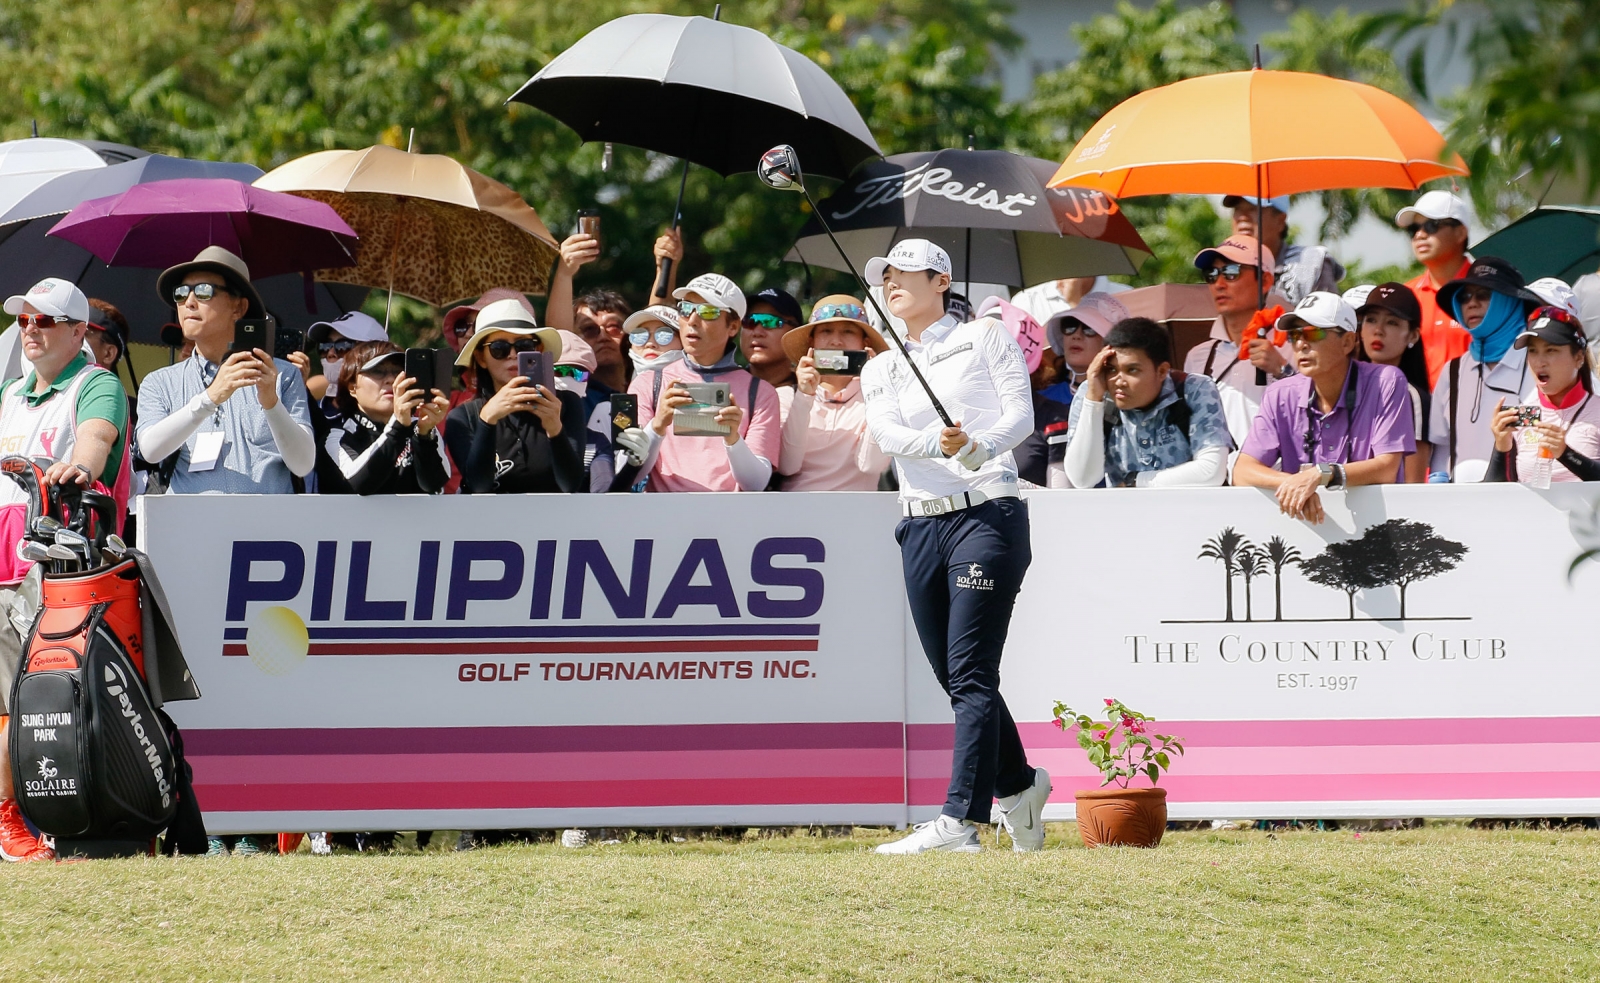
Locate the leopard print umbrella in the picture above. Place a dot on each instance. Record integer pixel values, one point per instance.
(430, 228)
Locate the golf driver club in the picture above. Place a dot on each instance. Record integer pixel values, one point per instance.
(780, 169)
(61, 556)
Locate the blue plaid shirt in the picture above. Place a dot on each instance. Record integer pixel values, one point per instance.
(1147, 442)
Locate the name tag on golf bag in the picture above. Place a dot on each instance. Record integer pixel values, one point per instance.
(90, 753)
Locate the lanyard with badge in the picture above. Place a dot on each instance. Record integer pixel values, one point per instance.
(207, 443)
(1310, 446)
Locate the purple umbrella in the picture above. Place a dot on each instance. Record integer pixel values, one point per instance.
(164, 223)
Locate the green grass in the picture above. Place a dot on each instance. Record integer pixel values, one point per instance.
(1441, 903)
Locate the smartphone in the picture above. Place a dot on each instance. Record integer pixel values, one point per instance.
(433, 368)
(624, 413)
(537, 368)
(699, 418)
(839, 362)
(1526, 415)
(252, 333)
(589, 222)
(287, 341)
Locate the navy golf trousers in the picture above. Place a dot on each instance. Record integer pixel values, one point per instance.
(963, 570)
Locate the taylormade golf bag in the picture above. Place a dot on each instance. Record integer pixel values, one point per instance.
(92, 755)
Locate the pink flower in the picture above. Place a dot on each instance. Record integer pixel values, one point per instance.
(1110, 702)
(1061, 724)
(1100, 735)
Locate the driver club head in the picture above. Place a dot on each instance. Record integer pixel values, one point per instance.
(780, 169)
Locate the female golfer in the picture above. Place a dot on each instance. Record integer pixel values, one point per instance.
(964, 538)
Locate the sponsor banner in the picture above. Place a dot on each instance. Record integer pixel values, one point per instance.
(694, 659)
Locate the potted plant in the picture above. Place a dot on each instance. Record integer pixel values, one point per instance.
(1123, 749)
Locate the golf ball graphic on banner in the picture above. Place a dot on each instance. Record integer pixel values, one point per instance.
(277, 641)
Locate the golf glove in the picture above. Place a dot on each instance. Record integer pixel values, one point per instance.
(973, 455)
(634, 444)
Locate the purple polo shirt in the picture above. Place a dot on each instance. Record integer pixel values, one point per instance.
(1381, 424)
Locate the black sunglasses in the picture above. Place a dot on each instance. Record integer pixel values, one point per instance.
(204, 291)
(1430, 226)
(333, 348)
(1228, 271)
(503, 349)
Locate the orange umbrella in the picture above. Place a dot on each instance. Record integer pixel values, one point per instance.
(1260, 133)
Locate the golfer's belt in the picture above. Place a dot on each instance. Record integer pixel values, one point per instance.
(923, 508)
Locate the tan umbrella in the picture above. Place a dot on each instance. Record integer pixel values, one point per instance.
(430, 227)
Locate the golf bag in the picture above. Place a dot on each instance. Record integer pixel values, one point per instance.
(92, 754)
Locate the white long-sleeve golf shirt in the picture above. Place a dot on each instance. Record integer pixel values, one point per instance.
(981, 377)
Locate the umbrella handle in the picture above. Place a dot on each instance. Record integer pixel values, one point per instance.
(677, 218)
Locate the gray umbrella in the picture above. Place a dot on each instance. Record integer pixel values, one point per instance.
(989, 209)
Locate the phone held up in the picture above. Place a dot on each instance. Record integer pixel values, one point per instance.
(537, 368)
(839, 362)
(250, 334)
(589, 222)
(433, 368)
(624, 413)
(699, 418)
(1526, 415)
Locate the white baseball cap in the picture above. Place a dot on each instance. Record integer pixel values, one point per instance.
(716, 290)
(53, 296)
(1098, 310)
(656, 313)
(1556, 293)
(909, 255)
(1435, 205)
(1320, 309)
(1357, 296)
(355, 326)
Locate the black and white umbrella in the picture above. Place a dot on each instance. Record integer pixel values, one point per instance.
(989, 209)
(714, 94)
(702, 90)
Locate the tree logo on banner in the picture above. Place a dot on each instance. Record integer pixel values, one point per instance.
(1397, 553)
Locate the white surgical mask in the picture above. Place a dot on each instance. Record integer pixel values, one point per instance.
(661, 361)
(330, 368)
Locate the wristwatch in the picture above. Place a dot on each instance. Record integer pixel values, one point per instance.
(1332, 475)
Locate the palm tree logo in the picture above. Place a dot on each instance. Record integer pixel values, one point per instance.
(1224, 548)
(1252, 564)
(1280, 554)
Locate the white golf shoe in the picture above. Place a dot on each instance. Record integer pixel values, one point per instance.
(1023, 814)
(943, 833)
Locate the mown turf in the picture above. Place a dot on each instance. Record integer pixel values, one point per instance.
(1441, 903)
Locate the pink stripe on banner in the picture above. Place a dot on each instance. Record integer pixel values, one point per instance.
(548, 795)
(1326, 788)
(556, 767)
(1314, 733)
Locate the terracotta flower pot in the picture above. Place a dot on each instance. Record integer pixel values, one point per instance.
(1122, 816)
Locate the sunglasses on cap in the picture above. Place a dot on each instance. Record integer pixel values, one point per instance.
(335, 349)
(707, 312)
(571, 372)
(641, 337)
(767, 322)
(1228, 271)
(1310, 334)
(43, 322)
(1430, 226)
(854, 312)
(201, 291)
(1544, 315)
(500, 348)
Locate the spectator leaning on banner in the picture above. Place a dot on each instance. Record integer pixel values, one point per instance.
(710, 309)
(236, 422)
(1564, 444)
(1299, 269)
(1138, 424)
(1437, 225)
(1493, 303)
(964, 542)
(1389, 316)
(1338, 424)
(1236, 282)
(514, 436)
(825, 442)
(388, 442)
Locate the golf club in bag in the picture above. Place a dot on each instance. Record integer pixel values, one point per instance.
(94, 758)
(780, 169)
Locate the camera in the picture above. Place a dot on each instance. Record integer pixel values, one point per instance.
(839, 362)
(1526, 415)
(699, 418)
